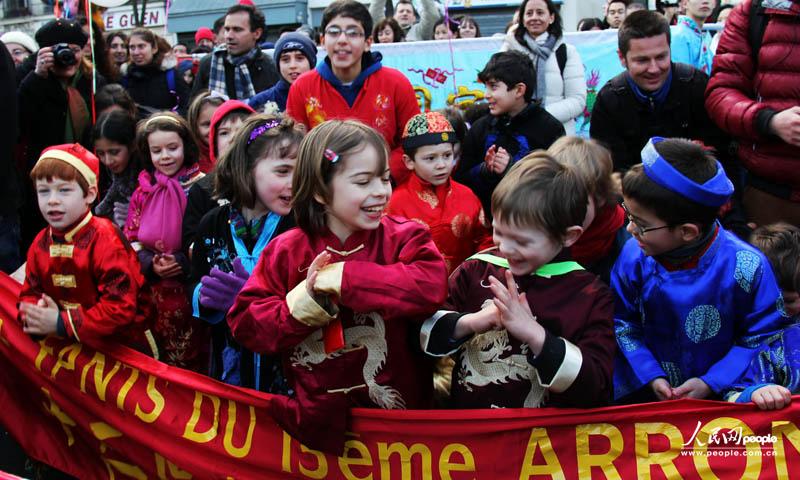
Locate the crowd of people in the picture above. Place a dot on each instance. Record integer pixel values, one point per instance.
(276, 223)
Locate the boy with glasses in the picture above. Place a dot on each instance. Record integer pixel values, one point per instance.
(693, 302)
(351, 83)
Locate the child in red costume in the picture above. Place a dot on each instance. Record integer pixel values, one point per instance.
(82, 279)
(449, 209)
(340, 297)
(352, 83)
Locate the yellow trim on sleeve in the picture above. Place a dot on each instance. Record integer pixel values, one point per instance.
(305, 309)
(329, 279)
(151, 342)
(72, 326)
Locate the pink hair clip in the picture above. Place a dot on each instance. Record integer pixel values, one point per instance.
(330, 155)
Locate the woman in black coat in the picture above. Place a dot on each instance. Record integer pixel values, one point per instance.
(151, 77)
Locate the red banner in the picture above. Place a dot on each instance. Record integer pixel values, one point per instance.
(113, 413)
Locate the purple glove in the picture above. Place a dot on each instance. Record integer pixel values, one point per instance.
(219, 289)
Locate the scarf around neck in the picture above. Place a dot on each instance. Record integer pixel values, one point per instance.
(542, 51)
(78, 117)
(687, 256)
(162, 213)
(598, 239)
(241, 74)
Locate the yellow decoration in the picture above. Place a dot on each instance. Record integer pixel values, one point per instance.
(66, 281)
(470, 97)
(61, 250)
(423, 98)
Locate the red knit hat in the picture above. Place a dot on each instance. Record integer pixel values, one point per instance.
(247, 2)
(84, 161)
(203, 33)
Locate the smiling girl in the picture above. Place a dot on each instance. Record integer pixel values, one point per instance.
(256, 177)
(154, 229)
(339, 297)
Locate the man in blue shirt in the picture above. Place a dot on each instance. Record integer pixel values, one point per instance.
(690, 44)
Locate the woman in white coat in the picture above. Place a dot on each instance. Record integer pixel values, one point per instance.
(539, 34)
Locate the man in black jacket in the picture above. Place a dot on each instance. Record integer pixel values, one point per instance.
(240, 70)
(655, 97)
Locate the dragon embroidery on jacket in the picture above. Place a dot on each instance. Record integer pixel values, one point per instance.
(484, 361)
(368, 332)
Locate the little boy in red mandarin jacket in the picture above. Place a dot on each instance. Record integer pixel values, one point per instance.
(82, 278)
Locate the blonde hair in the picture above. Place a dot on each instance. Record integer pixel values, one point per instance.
(592, 162)
(314, 171)
(540, 192)
(233, 177)
(165, 122)
(780, 243)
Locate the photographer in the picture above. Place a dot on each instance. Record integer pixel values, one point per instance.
(54, 102)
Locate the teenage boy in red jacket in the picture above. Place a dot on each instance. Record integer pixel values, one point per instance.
(352, 84)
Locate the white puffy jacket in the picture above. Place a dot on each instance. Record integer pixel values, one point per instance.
(566, 97)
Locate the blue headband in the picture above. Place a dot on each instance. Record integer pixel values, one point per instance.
(714, 193)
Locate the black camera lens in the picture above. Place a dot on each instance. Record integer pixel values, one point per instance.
(63, 55)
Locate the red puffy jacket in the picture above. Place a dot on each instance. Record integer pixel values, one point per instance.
(742, 101)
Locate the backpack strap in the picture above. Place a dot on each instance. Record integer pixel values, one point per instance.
(171, 88)
(682, 72)
(756, 27)
(561, 57)
(171, 80)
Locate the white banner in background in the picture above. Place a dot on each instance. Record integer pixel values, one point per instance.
(446, 72)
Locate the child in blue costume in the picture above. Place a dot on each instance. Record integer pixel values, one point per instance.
(774, 373)
(693, 302)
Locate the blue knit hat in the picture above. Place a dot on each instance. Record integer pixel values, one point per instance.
(296, 41)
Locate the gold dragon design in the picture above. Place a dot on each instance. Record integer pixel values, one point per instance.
(369, 332)
(483, 362)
